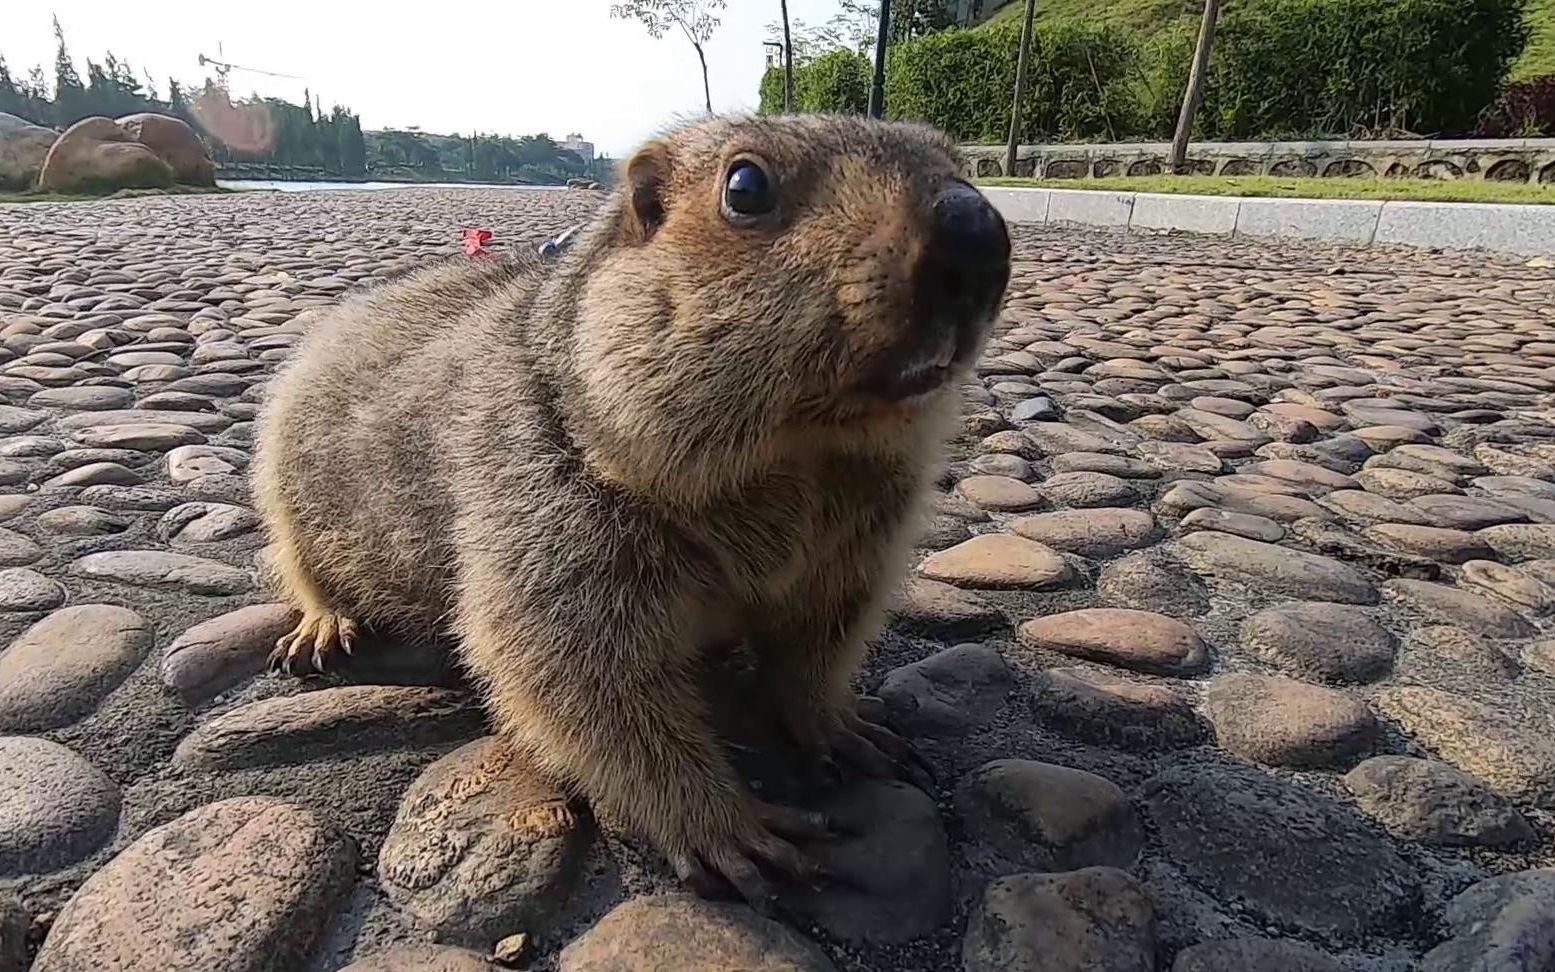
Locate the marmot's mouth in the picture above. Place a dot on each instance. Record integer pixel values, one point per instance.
(921, 370)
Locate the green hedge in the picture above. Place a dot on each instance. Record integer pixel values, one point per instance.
(1340, 67)
(836, 81)
(1281, 68)
(1080, 84)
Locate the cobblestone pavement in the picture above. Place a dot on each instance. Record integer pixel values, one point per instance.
(1227, 642)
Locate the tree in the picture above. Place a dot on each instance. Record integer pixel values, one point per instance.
(1024, 59)
(788, 61)
(1195, 93)
(695, 18)
(69, 92)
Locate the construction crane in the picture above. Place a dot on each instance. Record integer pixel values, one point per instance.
(223, 67)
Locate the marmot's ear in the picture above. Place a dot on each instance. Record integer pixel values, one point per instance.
(647, 175)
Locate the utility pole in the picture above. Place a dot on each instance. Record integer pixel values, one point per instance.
(788, 64)
(1195, 93)
(1020, 86)
(877, 92)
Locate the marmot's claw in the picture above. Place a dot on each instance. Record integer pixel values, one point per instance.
(797, 824)
(712, 873)
(312, 642)
(878, 751)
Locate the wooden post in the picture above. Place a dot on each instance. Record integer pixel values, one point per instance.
(788, 64)
(877, 91)
(1191, 99)
(1020, 87)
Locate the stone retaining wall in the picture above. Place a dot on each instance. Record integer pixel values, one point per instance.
(1505, 160)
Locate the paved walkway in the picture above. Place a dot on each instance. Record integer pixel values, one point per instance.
(1226, 640)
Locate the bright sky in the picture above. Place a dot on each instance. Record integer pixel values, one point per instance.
(503, 66)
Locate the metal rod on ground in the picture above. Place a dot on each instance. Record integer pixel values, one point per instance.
(788, 64)
(1020, 87)
(877, 91)
(1195, 93)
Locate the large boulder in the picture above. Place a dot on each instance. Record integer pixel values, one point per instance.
(23, 146)
(175, 143)
(96, 155)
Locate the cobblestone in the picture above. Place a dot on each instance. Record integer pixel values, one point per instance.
(1187, 464)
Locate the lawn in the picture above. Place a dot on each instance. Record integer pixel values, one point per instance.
(1431, 190)
(1537, 58)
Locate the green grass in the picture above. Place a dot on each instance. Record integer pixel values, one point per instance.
(37, 196)
(1431, 190)
(1537, 58)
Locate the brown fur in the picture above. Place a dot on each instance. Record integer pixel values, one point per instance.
(591, 474)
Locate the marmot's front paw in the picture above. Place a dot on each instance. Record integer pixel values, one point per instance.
(877, 751)
(739, 860)
(311, 643)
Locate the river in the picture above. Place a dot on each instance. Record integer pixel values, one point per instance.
(289, 186)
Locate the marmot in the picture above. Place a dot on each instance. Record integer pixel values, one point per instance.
(714, 418)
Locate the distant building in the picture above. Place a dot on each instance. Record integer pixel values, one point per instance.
(584, 150)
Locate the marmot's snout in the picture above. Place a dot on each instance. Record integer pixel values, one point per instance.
(959, 283)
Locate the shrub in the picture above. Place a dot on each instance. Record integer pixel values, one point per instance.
(1290, 67)
(1526, 109)
(1081, 82)
(837, 81)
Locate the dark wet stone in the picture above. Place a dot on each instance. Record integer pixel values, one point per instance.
(329, 723)
(1291, 856)
(1027, 816)
(936, 610)
(55, 807)
(1502, 924)
(1110, 711)
(680, 931)
(59, 669)
(1421, 799)
(1098, 918)
(482, 845)
(241, 884)
(13, 933)
(895, 862)
(1334, 643)
(1253, 955)
(949, 693)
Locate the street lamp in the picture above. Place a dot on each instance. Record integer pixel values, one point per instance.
(788, 81)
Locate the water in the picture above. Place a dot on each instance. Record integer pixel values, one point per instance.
(288, 186)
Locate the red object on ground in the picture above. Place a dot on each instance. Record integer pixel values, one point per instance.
(475, 241)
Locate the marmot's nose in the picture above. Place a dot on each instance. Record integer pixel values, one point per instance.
(969, 249)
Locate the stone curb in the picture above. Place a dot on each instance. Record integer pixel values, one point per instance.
(1519, 229)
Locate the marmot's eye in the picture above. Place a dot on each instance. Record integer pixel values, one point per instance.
(748, 191)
